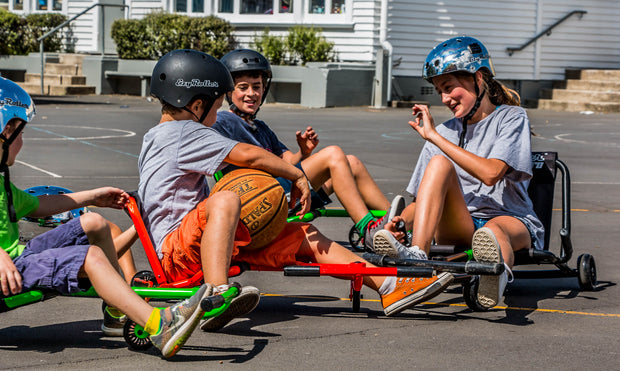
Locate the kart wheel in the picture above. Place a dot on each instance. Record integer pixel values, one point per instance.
(144, 279)
(356, 241)
(586, 272)
(135, 336)
(470, 295)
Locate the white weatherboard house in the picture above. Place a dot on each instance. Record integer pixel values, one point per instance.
(401, 32)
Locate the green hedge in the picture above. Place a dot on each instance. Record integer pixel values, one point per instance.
(159, 33)
(19, 34)
(301, 44)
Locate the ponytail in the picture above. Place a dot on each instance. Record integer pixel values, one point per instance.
(498, 93)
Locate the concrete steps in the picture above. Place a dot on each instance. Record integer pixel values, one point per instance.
(584, 90)
(63, 76)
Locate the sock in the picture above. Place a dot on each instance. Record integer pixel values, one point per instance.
(388, 286)
(363, 223)
(153, 325)
(222, 288)
(114, 312)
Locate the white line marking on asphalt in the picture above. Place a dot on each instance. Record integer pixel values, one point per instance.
(39, 169)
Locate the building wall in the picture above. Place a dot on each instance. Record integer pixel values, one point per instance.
(416, 26)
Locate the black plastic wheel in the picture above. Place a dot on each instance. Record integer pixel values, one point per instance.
(470, 295)
(356, 240)
(135, 336)
(144, 279)
(586, 269)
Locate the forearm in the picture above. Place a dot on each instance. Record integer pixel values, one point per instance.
(488, 171)
(246, 155)
(293, 158)
(54, 204)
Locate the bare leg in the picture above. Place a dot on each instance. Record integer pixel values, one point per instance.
(222, 213)
(511, 234)
(98, 232)
(332, 163)
(123, 242)
(440, 210)
(111, 287)
(321, 249)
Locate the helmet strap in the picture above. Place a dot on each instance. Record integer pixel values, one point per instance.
(243, 115)
(4, 168)
(205, 113)
(471, 113)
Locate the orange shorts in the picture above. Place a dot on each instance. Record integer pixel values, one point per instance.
(181, 248)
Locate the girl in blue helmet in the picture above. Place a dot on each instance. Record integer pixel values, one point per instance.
(470, 182)
(80, 253)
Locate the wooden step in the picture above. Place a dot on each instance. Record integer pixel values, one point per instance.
(54, 79)
(63, 69)
(49, 89)
(578, 106)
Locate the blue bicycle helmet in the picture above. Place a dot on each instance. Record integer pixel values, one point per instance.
(56, 219)
(14, 103)
(461, 53)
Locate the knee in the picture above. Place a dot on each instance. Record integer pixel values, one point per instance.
(226, 201)
(355, 163)
(93, 222)
(94, 257)
(335, 154)
(440, 164)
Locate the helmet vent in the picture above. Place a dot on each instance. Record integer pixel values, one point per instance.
(245, 60)
(162, 77)
(475, 48)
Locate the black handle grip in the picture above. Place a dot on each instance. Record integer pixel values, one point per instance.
(414, 272)
(211, 302)
(300, 270)
(492, 269)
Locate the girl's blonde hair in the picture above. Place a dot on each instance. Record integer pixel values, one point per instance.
(498, 93)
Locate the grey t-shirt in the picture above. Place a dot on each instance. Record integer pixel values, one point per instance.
(175, 159)
(503, 135)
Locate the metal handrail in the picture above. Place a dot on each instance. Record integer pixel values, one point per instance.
(547, 31)
(63, 24)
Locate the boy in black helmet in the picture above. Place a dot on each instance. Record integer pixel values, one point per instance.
(329, 170)
(193, 230)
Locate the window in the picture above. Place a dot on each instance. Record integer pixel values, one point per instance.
(256, 7)
(18, 4)
(286, 6)
(226, 6)
(319, 6)
(4, 4)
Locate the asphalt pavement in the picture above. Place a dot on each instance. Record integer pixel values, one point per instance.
(307, 322)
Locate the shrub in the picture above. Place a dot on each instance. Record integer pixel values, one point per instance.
(303, 44)
(272, 47)
(309, 45)
(159, 33)
(19, 34)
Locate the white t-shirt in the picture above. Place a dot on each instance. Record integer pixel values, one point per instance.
(503, 135)
(175, 159)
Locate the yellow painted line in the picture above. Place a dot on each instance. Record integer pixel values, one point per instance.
(541, 310)
(588, 210)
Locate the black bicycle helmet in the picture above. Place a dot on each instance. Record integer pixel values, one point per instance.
(248, 60)
(183, 74)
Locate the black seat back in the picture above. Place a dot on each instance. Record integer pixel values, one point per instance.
(541, 189)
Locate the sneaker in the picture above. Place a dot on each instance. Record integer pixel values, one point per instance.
(410, 291)
(386, 244)
(240, 305)
(178, 322)
(396, 208)
(486, 249)
(113, 325)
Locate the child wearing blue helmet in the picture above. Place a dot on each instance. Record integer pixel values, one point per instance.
(80, 253)
(470, 182)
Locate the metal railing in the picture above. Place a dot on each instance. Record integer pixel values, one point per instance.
(547, 31)
(52, 31)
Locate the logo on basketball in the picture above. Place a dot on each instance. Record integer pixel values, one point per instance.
(263, 203)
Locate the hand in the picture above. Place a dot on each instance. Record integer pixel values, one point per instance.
(307, 141)
(391, 226)
(423, 122)
(110, 197)
(300, 190)
(10, 278)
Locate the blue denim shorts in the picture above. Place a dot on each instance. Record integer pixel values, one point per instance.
(53, 259)
(480, 222)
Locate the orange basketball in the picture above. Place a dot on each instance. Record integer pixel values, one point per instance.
(264, 207)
